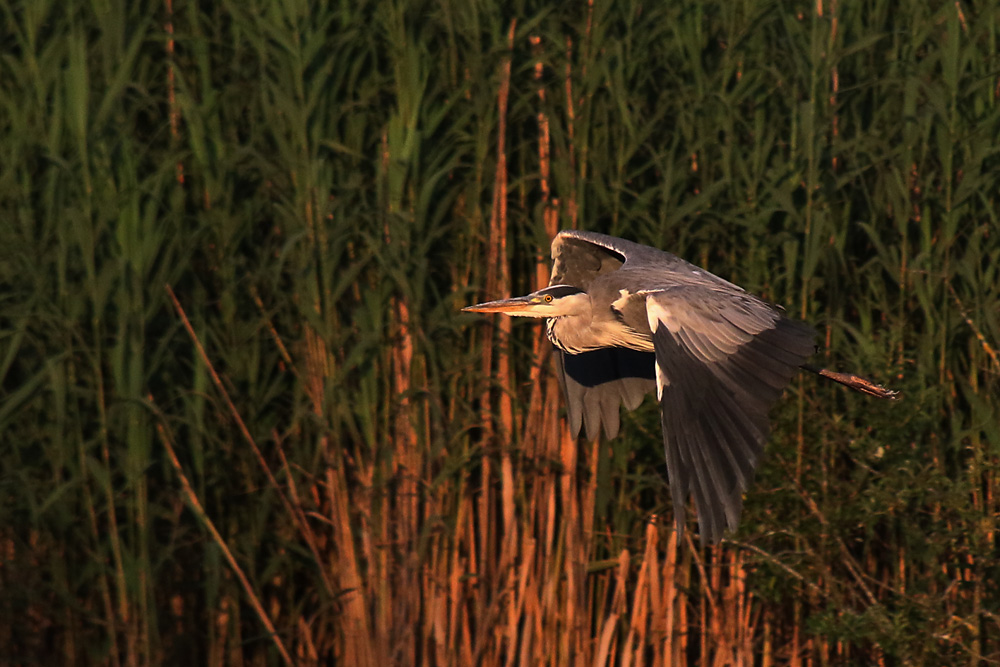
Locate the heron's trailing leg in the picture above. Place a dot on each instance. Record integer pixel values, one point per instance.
(855, 382)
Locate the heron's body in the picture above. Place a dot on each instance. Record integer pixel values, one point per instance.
(628, 319)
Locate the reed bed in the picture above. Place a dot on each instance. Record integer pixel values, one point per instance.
(244, 422)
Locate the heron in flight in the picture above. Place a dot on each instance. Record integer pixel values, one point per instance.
(626, 318)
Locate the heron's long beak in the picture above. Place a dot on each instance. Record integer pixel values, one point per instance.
(509, 306)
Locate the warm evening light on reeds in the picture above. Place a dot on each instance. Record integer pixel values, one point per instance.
(243, 420)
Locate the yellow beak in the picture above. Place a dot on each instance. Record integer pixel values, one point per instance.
(508, 306)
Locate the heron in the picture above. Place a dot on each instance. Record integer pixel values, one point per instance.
(627, 318)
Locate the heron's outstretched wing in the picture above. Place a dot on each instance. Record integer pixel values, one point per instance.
(578, 257)
(722, 360)
(597, 383)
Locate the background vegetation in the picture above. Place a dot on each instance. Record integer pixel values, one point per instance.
(242, 420)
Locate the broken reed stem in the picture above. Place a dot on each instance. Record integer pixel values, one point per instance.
(275, 336)
(295, 512)
(300, 522)
(987, 348)
(225, 396)
(196, 507)
(299, 516)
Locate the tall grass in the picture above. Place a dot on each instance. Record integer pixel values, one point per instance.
(309, 455)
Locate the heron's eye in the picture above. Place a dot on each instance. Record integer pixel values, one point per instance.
(548, 298)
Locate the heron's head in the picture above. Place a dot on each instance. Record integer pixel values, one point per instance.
(554, 301)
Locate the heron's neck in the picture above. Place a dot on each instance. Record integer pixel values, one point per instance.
(585, 330)
(571, 332)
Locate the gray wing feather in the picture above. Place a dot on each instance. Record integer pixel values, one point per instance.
(595, 242)
(598, 383)
(580, 256)
(576, 261)
(723, 359)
